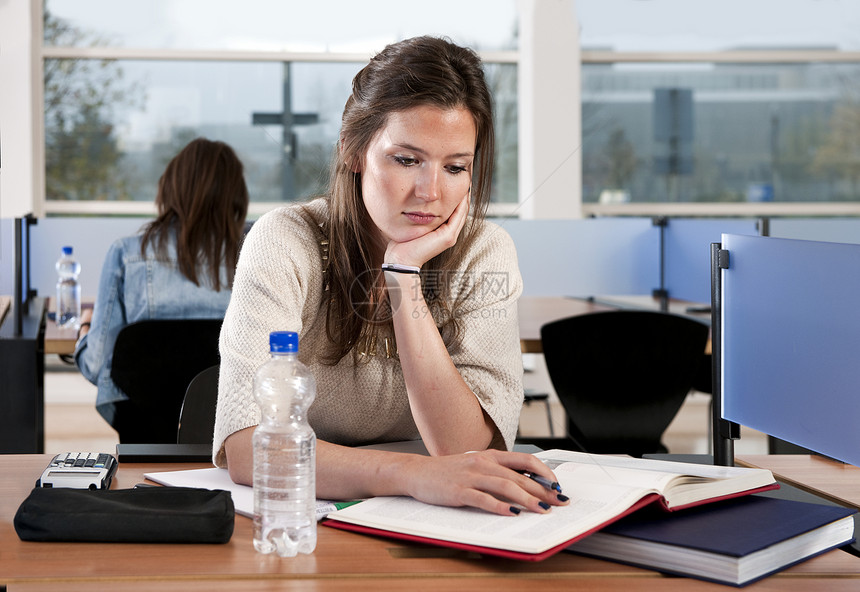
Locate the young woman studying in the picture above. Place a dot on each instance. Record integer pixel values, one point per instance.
(403, 296)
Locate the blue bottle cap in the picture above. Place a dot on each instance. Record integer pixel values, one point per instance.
(283, 342)
(67, 250)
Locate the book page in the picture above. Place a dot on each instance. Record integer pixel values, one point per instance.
(553, 458)
(680, 483)
(592, 504)
(587, 474)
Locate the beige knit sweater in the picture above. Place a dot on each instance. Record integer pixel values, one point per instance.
(279, 287)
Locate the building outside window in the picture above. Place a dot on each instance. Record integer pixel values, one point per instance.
(742, 133)
(720, 102)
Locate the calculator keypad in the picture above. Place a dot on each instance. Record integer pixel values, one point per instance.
(80, 459)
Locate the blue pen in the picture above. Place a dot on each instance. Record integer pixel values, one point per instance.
(551, 485)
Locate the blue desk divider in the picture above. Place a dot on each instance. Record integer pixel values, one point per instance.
(7, 256)
(688, 254)
(593, 256)
(791, 341)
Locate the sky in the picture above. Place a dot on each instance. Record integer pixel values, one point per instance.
(367, 25)
(700, 25)
(287, 25)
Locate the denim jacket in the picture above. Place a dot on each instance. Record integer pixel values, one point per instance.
(133, 288)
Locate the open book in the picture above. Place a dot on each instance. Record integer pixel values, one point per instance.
(601, 489)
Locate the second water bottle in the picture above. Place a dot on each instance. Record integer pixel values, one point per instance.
(284, 452)
(68, 290)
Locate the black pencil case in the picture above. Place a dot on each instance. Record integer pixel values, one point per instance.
(143, 515)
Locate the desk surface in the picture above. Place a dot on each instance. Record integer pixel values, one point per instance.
(342, 560)
(443, 583)
(533, 312)
(61, 341)
(833, 480)
(5, 305)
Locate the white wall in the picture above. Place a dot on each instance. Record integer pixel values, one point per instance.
(21, 126)
(550, 155)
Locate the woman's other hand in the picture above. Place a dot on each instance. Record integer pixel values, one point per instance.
(85, 322)
(490, 480)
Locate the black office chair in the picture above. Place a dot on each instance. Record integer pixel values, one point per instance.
(197, 417)
(622, 375)
(153, 363)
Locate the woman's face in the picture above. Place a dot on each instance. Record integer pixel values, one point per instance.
(417, 169)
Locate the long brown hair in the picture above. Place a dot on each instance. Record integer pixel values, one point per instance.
(202, 194)
(414, 72)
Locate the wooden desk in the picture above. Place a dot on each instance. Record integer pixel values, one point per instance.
(343, 561)
(535, 311)
(833, 480)
(61, 341)
(591, 583)
(5, 305)
(532, 313)
(645, 302)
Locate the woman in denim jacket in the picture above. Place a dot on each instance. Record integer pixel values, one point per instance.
(180, 266)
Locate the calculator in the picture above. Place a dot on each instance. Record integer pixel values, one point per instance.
(79, 470)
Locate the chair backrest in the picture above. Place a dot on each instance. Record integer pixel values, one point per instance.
(623, 375)
(153, 363)
(197, 417)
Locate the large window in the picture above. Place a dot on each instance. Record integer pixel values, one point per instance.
(745, 106)
(127, 84)
(710, 107)
(165, 104)
(721, 133)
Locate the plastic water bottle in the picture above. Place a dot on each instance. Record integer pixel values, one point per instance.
(284, 452)
(68, 290)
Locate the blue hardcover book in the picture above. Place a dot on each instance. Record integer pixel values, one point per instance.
(733, 542)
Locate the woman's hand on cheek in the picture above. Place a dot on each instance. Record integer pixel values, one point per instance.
(420, 250)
